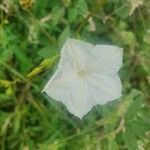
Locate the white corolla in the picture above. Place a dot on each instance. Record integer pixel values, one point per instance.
(86, 76)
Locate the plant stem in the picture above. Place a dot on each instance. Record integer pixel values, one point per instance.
(142, 19)
(50, 38)
(99, 5)
(12, 70)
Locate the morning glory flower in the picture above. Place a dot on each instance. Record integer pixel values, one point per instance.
(86, 76)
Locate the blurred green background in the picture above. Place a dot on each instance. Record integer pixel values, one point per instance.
(31, 36)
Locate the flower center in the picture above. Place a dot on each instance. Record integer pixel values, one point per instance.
(81, 73)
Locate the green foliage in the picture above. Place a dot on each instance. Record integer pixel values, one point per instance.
(31, 35)
(112, 145)
(63, 36)
(130, 139)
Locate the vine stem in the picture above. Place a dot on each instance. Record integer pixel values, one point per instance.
(142, 19)
(102, 122)
(99, 5)
(51, 39)
(12, 70)
(116, 131)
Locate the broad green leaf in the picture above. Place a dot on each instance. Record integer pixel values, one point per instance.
(5, 126)
(147, 38)
(17, 122)
(9, 91)
(4, 97)
(6, 54)
(63, 36)
(134, 108)
(25, 61)
(107, 112)
(128, 37)
(72, 14)
(130, 139)
(140, 126)
(82, 7)
(123, 13)
(123, 25)
(48, 51)
(112, 145)
(57, 14)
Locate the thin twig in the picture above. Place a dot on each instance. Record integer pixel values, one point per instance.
(99, 5)
(116, 131)
(115, 12)
(12, 70)
(101, 123)
(51, 39)
(142, 19)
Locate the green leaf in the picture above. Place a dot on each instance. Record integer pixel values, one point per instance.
(130, 139)
(146, 38)
(24, 59)
(122, 25)
(139, 127)
(48, 51)
(63, 36)
(123, 13)
(5, 125)
(112, 145)
(6, 54)
(82, 6)
(17, 122)
(72, 14)
(128, 37)
(107, 112)
(57, 13)
(134, 108)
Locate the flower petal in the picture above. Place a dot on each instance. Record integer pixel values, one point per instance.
(105, 88)
(75, 51)
(67, 58)
(73, 93)
(82, 101)
(60, 85)
(105, 59)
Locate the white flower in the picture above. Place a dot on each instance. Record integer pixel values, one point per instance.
(86, 76)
